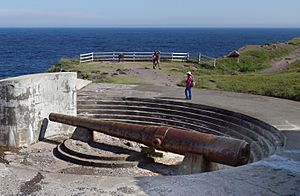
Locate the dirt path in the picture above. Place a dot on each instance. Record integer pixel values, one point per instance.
(157, 77)
(282, 64)
(148, 75)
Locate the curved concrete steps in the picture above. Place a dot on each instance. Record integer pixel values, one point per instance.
(263, 138)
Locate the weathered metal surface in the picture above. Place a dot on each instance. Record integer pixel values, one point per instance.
(218, 149)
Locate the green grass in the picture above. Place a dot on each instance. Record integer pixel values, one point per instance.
(284, 85)
(253, 60)
(64, 65)
(295, 67)
(295, 41)
(241, 77)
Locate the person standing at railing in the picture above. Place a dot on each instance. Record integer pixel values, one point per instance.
(121, 57)
(154, 60)
(189, 83)
(158, 59)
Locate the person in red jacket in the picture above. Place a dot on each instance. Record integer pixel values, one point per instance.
(154, 58)
(188, 85)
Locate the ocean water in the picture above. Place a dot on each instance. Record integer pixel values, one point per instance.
(33, 50)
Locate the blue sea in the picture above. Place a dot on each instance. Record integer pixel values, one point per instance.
(34, 50)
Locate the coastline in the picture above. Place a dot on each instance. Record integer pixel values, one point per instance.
(43, 47)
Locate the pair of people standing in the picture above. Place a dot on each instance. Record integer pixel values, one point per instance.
(156, 59)
(189, 83)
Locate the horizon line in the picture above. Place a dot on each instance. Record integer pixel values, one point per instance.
(142, 27)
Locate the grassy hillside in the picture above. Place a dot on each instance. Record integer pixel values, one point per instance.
(229, 75)
(255, 58)
(282, 85)
(243, 77)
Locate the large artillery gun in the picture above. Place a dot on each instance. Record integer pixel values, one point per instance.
(219, 149)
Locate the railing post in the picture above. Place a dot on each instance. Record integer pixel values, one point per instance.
(92, 56)
(113, 56)
(133, 56)
(215, 61)
(199, 58)
(188, 56)
(172, 56)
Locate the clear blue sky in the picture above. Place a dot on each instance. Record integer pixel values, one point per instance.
(150, 13)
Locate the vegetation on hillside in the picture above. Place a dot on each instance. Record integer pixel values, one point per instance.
(282, 85)
(242, 77)
(228, 75)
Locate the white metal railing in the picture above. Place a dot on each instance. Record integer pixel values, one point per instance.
(88, 57)
(207, 60)
(132, 56)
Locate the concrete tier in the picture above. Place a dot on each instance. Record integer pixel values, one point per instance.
(263, 138)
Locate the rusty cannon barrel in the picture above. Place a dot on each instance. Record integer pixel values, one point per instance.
(224, 150)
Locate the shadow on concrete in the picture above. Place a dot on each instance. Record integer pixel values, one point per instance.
(49, 141)
(292, 140)
(171, 98)
(160, 168)
(145, 162)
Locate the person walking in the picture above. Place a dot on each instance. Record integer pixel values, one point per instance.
(188, 85)
(154, 57)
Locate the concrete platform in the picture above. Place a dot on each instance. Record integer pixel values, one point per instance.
(278, 174)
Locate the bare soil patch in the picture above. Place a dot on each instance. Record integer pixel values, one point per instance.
(135, 72)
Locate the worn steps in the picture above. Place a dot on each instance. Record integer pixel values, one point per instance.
(263, 138)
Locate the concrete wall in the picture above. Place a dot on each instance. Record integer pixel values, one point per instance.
(26, 102)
